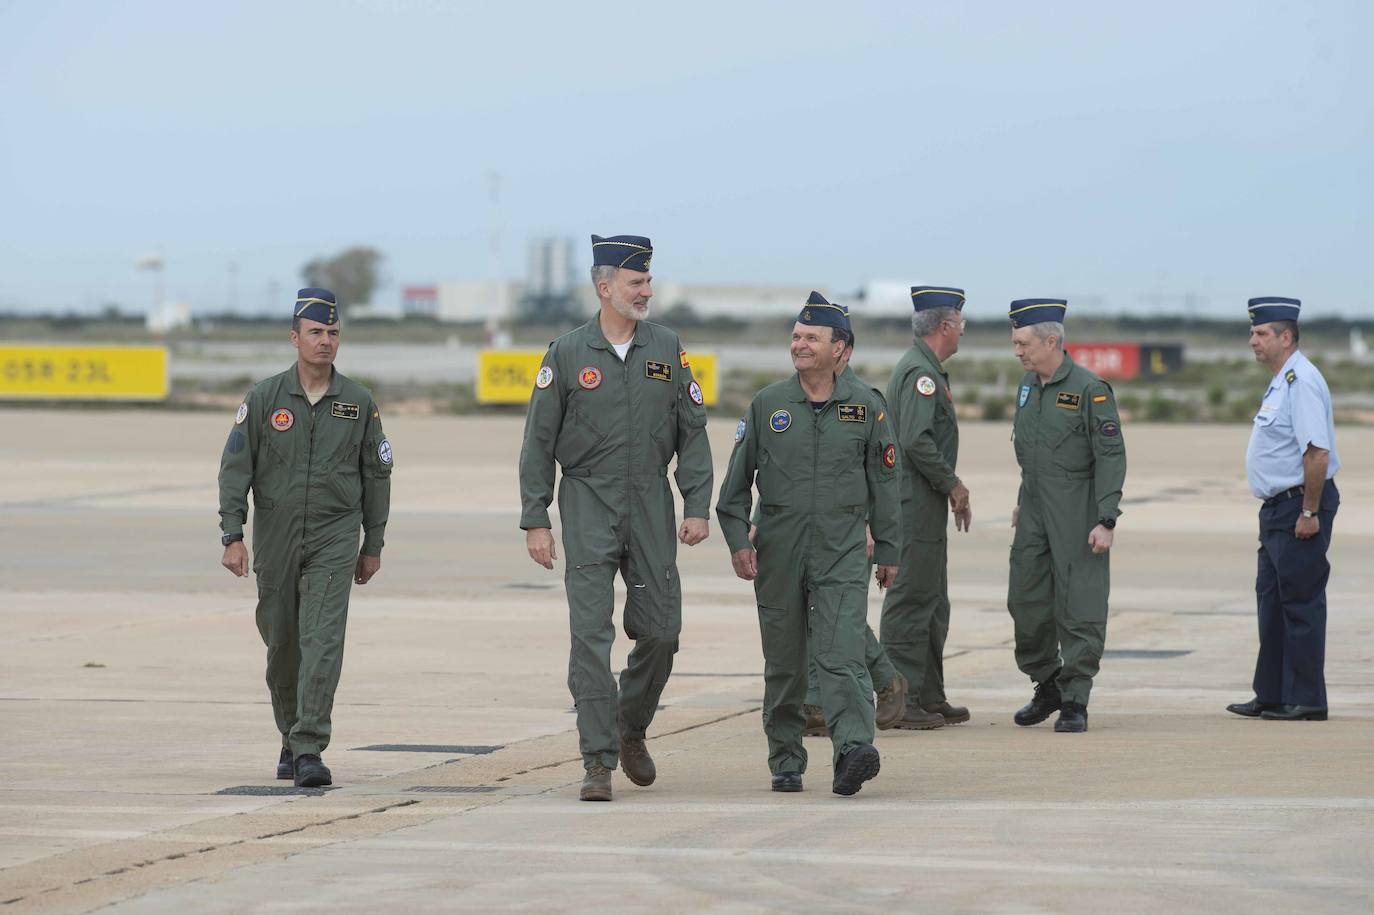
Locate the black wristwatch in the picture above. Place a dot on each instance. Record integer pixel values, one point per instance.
(1108, 523)
(230, 538)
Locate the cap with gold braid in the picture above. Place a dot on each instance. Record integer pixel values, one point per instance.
(927, 297)
(821, 313)
(1025, 312)
(630, 252)
(316, 304)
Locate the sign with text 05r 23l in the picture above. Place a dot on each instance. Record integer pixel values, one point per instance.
(36, 371)
(506, 376)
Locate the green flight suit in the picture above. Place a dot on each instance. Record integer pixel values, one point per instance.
(613, 427)
(915, 620)
(819, 476)
(318, 475)
(1068, 442)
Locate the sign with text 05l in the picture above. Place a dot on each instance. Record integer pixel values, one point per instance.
(506, 376)
(35, 371)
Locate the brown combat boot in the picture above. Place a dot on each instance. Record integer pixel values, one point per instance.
(815, 722)
(596, 784)
(953, 714)
(915, 718)
(636, 762)
(891, 703)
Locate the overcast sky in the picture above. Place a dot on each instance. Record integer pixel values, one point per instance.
(1134, 153)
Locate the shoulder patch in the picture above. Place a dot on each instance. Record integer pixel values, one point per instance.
(852, 412)
(242, 414)
(1023, 397)
(1109, 429)
(925, 385)
(739, 431)
(1067, 400)
(694, 392)
(1290, 376)
(384, 452)
(890, 456)
(544, 378)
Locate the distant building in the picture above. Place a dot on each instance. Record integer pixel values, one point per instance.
(420, 300)
(549, 279)
(168, 317)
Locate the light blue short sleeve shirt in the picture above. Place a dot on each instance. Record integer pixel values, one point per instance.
(1295, 413)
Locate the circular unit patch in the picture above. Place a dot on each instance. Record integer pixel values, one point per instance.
(384, 451)
(925, 385)
(589, 378)
(739, 432)
(544, 378)
(283, 419)
(890, 456)
(694, 392)
(242, 414)
(780, 421)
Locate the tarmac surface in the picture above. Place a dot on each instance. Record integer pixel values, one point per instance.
(134, 721)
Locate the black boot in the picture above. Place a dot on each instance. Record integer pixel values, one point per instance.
(1043, 704)
(787, 781)
(311, 772)
(854, 768)
(285, 768)
(1073, 719)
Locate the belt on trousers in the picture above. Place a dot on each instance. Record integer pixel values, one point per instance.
(1283, 496)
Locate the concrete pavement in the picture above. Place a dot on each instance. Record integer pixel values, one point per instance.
(132, 696)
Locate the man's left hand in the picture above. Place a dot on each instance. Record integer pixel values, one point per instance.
(1307, 528)
(885, 575)
(694, 530)
(1100, 539)
(367, 567)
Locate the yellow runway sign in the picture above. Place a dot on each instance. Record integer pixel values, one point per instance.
(506, 376)
(34, 371)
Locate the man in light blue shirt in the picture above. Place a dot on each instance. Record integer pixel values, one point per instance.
(1291, 464)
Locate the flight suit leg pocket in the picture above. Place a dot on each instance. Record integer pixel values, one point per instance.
(837, 622)
(1087, 590)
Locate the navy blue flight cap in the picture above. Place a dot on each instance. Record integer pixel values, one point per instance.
(1273, 308)
(631, 252)
(1025, 312)
(315, 304)
(924, 297)
(818, 312)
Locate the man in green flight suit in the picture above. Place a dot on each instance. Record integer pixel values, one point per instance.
(915, 621)
(613, 402)
(824, 459)
(309, 444)
(891, 685)
(1067, 436)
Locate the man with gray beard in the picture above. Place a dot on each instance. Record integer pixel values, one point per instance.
(613, 402)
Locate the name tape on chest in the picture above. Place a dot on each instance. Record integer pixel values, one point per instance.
(344, 410)
(852, 412)
(1067, 401)
(660, 371)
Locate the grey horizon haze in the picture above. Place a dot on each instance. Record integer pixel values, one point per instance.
(1134, 154)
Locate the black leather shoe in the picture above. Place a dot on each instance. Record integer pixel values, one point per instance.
(854, 768)
(787, 781)
(311, 772)
(1294, 713)
(1043, 704)
(285, 768)
(1250, 709)
(1073, 719)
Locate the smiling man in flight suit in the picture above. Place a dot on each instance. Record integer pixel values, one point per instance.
(309, 444)
(1067, 437)
(613, 402)
(823, 460)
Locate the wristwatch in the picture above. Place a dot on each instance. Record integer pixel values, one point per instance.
(1308, 514)
(230, 538)
(1108, 523)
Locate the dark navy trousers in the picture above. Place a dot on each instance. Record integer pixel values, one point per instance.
(1291, 594)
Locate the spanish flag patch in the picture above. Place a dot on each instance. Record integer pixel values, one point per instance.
(682, 356)
(1099, 398)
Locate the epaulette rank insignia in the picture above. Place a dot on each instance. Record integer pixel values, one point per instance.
(1290, 376)
(1067, 401)
(659, 370)
(853, 413)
